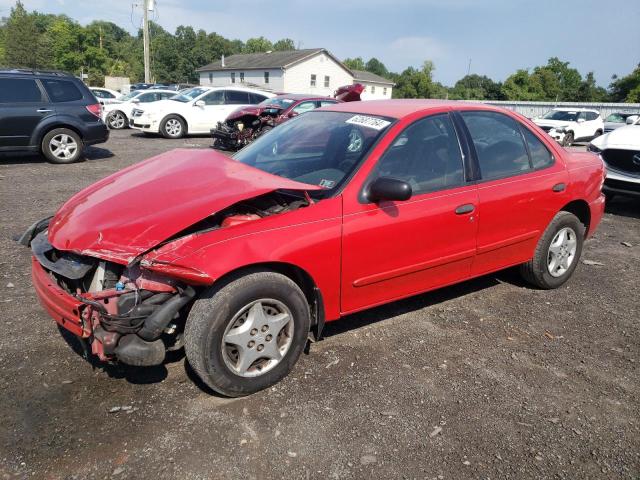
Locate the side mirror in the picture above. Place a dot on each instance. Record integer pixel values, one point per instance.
(135, 100)
(632, 119)
(581, 120)
(199, 103)
(385, 188)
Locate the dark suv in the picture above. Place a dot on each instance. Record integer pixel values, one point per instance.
(49, 112)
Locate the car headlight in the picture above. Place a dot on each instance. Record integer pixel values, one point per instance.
(560, 129)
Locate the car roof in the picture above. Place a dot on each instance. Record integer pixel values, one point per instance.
(402, 108)
(301, 96)
(579, 109)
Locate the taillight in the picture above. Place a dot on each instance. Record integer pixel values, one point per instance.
(95, 109)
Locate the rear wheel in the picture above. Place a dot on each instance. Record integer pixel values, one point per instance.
(248, 334)
(62, 145)
(117, 120)
(173, 127)
(568, 139)
(557, 253)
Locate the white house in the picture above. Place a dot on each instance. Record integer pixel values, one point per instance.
(310, 71)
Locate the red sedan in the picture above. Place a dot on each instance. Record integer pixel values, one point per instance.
(335, 211)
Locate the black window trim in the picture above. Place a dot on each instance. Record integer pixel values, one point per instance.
(364, 189)
(44, 98)
(474, 156)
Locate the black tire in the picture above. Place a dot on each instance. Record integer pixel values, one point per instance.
(535, 271)
(173, 126)
(598, 133)
(567, 141)
(117, 120)
(54, 154)
(214, 310)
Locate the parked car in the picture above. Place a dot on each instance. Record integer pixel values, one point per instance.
(245, 124)
(567, 125)
(193, 111)
(620, 151)
(141, 86)
(616, 120)
(49, 112)
(105, 95)
(117, 115)
(338, 210)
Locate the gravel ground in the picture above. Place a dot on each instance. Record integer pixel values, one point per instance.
(487, 379)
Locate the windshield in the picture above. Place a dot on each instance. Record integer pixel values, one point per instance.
(561, 115)
(279, 102)
(318, 148)
(189, 94)
(130, 95)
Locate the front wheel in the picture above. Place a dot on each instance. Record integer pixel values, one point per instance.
(117, 120)
(248, 334)
(62, 145)
(172, 127)
(567, 141)
(557, 253)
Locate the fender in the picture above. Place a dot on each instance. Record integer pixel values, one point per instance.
(54, 121)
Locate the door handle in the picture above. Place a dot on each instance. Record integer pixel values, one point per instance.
(559, 187)
(43, 110)
(466, 208)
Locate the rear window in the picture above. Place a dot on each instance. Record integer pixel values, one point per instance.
(62, 91)
(237, 98)
(19, 90)
(256, 98)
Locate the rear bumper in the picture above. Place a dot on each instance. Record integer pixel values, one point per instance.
(95, 133)
(597, 211)
(61, 306)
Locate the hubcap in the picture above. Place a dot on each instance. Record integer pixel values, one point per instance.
(116, 120)
(562, 252)
(257, 337)
(63, 146)
(173, 127)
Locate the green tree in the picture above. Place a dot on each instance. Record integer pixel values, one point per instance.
(25, 45)
(354, 63)
(476, 87)
(257, 45)
(284, 44)
(627, 88)
(522, 86)
(376, 66)
(414, 83)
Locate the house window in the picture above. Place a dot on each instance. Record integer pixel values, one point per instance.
(233, 77)
(241, 77)
(266, 77)
(384, 91)
(313, 79)
(210, 77)
(327, 81)
(373, 89)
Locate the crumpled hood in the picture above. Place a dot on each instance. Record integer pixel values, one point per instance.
(133, 210)
(240, 112)
(627, 137)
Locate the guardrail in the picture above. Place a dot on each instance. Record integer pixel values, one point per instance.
(537, 109)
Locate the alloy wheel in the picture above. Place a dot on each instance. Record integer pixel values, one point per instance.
(562, 252)
(173, 127)
(116, 120)
(63, 146)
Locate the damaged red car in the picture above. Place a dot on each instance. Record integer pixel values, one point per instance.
(243, 259)
(246, 124)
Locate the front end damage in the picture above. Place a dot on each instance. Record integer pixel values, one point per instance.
(244, 126)
(127, 312)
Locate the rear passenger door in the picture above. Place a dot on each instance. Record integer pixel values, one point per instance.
(22, 108)
(521, 187)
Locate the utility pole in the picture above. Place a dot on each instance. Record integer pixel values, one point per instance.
(145, 39)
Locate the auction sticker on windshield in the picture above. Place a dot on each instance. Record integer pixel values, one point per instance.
(369, 122)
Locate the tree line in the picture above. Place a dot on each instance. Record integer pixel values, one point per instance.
(47, 41)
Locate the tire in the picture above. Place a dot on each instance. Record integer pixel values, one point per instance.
(173, 127)
(537, 271)
(117, 120)
(567, 141)
(210, 326)
(598, 133)
(62, 145)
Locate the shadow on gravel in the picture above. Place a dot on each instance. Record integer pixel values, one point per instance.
(625, 206)
(20, 158)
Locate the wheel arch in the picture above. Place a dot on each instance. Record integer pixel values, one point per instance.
(181, 117)
(299, 276)
(41, 133)
(580, 208)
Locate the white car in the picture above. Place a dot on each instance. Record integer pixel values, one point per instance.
(620, 151)
(567, 125)
(105, 95)
(117, 115)
(194, 111)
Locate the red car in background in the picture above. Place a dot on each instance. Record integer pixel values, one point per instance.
(339, 210)
(246, 124)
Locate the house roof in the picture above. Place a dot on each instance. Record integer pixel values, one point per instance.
(251, 61)
(370, 77)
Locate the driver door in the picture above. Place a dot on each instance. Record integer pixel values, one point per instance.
(204, 117)
(393, 249)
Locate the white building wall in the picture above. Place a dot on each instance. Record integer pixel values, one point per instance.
(255, 77)
(297, 79)
(375, 91)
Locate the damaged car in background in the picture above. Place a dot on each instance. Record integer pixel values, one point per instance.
(242, 260)
(246, 124)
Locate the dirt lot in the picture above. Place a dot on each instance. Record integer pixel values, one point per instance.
(488, 379)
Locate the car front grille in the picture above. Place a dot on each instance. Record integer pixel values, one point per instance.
(546, 129)
(626, 161)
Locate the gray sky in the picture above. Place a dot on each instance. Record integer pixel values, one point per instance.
(499, 36)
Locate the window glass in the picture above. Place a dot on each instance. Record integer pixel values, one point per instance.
(313, 80)
(266, 77)
(373, 89)
(256, 98)
(592, 116)
(210, 77)
(214, 98)
(582, 116)
(426, 155)
(498, 143)
(235, 97)
(327, 81)
(241, 77)
(100, 94)
(148, 97)
(165, 95)
(233, 77)
(324, 103)
(62, 90)
(384, 91)
(304, 107)
(19, 90)
(540, 156)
